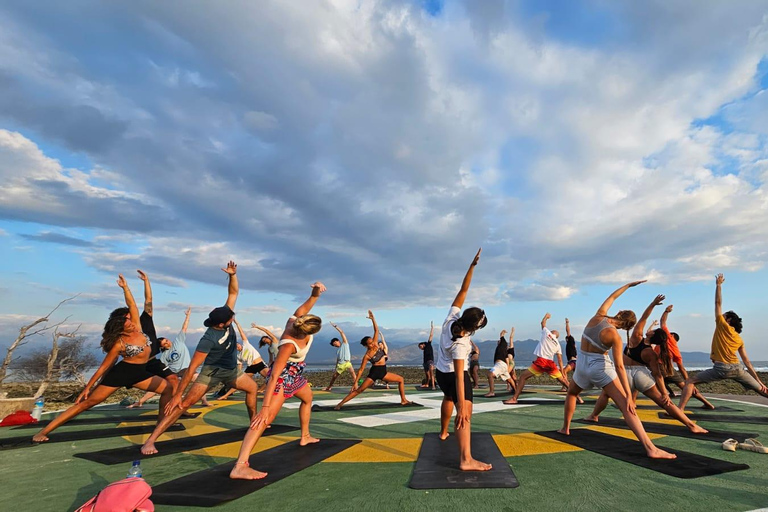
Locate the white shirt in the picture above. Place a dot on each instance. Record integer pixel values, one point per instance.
(448, 350)
(548, 346)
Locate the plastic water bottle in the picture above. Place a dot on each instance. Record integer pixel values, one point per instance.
(37, 412)
(135, 469)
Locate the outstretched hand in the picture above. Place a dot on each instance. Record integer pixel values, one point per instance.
(477, 257)
(318, 288)
(142, 275)
(635, 283)
(121, 282)
(658, 300)
(370, 315)
(719, 279)
(668, 309)
(189, 311)
(231, 268)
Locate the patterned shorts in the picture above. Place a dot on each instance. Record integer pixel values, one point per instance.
(291, 380)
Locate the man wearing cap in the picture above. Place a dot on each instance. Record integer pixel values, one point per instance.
(217, 353)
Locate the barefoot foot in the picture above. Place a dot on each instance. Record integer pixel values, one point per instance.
(39, 438)
(443, 437)
(489, 395)
(474, 465)
(565, 431)
(592, 419)
(406, 403)
(656, 453)
(308, 439)
(697, 429)
(241, 471)
(709, 407)
(148, 449)
(511, 401)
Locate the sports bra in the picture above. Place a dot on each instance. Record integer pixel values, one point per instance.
(592, 335)
(378, 355)
(301, 353)
(634, 353)
(134, 350)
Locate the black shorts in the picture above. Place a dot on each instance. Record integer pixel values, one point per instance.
(675, 378)
(447, 383)
(255, 368)
(125, 375)
(473, 363)
(377, 372)
(156, 367)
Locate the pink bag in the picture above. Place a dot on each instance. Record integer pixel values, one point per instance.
(127, 495)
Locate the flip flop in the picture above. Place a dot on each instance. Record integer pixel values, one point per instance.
(730, 445)
(753, 445)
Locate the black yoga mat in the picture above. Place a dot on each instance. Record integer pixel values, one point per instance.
(541, 401)
(185, 444)
(722, 408)
(365, 407)
(438, 465)
(717, 436)
(100, 420)
(686, 465)
(85, 435)
(727, 418)
(212, 486)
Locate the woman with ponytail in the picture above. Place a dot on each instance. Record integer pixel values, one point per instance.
(646, 370)
(286, 379)
(595, 369)
(376, 353)
(122, 337)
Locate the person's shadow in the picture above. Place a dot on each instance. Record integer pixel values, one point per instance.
(87, 492)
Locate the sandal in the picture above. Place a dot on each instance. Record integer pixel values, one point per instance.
(730, 445)
(753, 445)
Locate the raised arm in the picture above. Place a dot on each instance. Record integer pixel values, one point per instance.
(317, 289)
(665, 315)
(637, 332)
(719, 280)
(475, 347)
(133, 310)
(383, 342)
(375, 336)
(234, 288)
(511, 337)
(547, 316)
(186, 320)
(458, 302)
(266, 331)
(148, 309)
(240, 330)
(431, 331)
(606, 305)
(567, 327)
(341, 333)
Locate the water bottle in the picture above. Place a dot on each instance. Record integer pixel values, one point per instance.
(37, 412)
(135, 469)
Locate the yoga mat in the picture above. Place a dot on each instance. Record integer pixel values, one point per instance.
(722, 408)
(85, 435)
(686, 465)
(717, 436)
(727, 418)
(438, 465)
(212, 486)
(541, 401)
(364, 407)
(126, 454)
(104, 419)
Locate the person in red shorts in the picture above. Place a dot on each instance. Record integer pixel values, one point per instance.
(545, 354)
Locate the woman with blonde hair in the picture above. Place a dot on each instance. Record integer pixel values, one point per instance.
(286, 379)
(595, 369)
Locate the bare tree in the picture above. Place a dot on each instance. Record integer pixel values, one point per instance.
(27, 331)
(53, 371)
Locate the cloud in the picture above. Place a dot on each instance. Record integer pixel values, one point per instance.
(57, 238)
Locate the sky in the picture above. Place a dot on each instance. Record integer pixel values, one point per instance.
(375, 146)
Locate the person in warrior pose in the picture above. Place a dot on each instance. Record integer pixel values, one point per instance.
(451, 374)
(726, 342)
(286, 379)
(429, 359)
(217, 353)
(570, 351)
(249, 360)
(596, 369)
(270, 341)
(501, 364)
(677, 377)
(376, 353)
(343, 363)
(545, 352)
(122, 337)
(645, 370)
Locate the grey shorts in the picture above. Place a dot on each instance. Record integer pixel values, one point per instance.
(212, 376)
(594, 370)
(722, 371)
(640, 378)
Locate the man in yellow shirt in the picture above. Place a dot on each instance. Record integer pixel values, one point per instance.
(725, 343)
